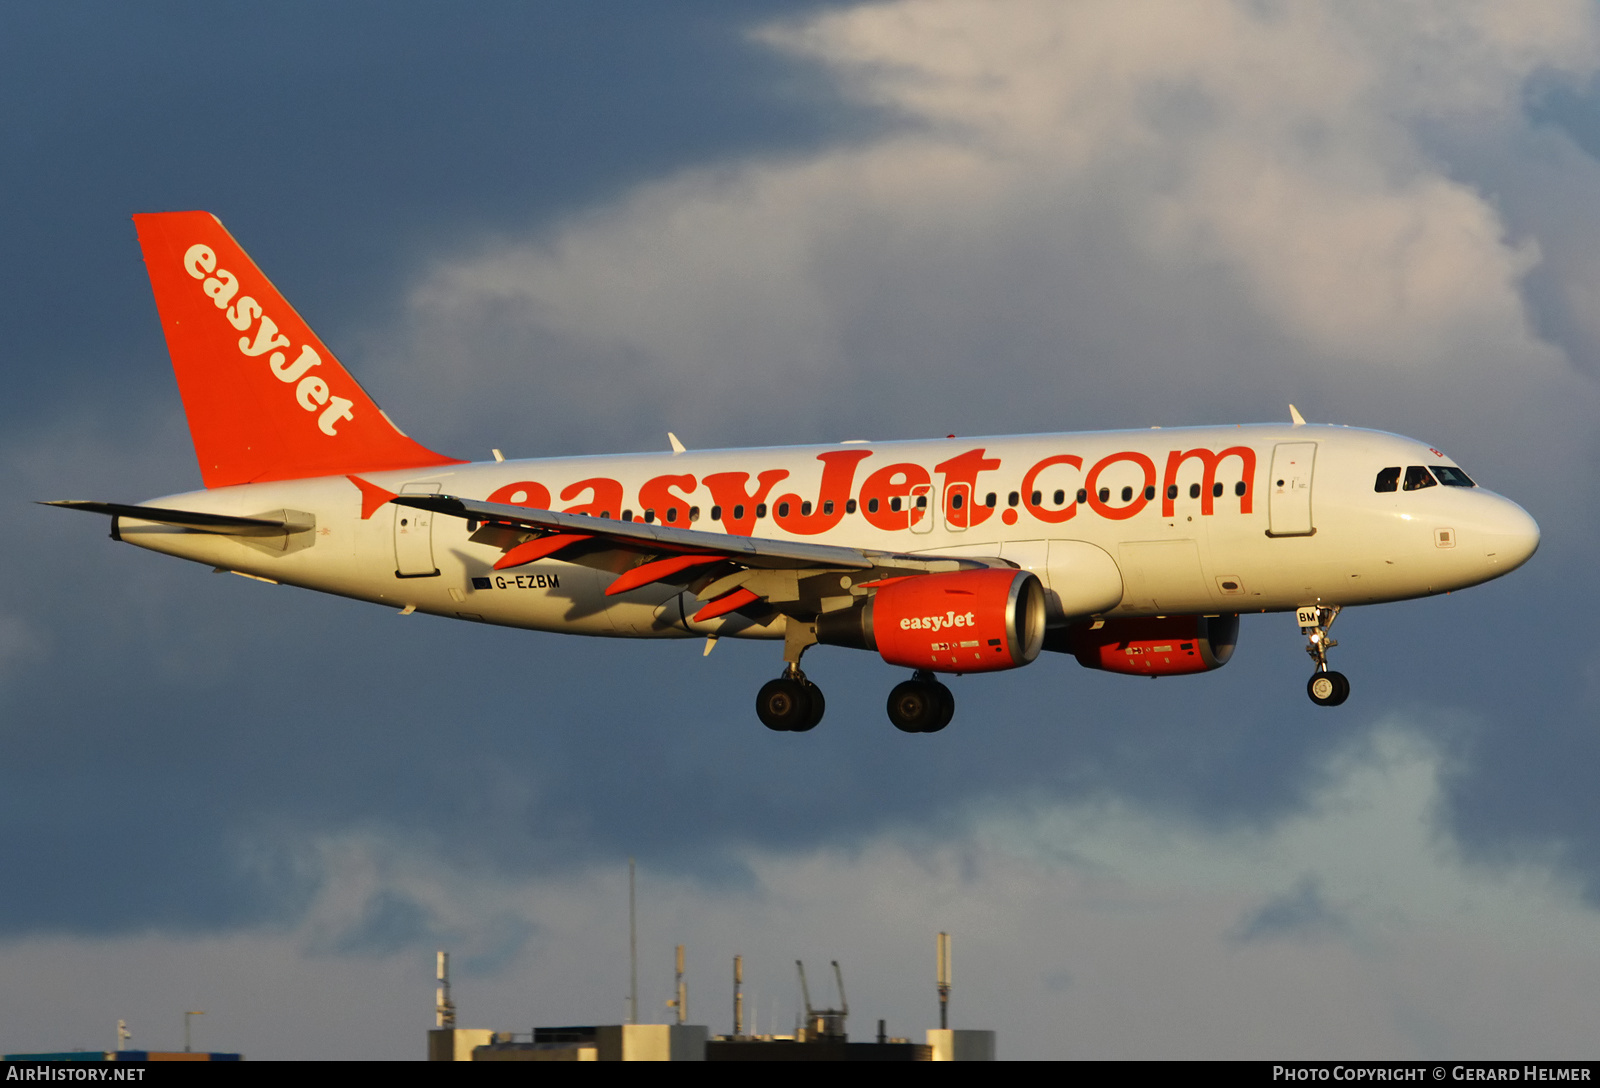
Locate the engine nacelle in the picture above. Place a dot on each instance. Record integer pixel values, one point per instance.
(964, 621)
(1154, 646)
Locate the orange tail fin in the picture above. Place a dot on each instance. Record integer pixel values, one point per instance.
(266, 399)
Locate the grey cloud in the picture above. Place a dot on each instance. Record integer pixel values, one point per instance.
(903, 261)
(1299, 914)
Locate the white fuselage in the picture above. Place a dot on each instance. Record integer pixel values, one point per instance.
(1271, 518)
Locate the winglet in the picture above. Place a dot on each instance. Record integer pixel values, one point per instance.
(1296, 417)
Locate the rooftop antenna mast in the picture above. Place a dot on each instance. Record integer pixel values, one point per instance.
(681, 1002)
(738, 997)
(944, 981)
(633, 953)
(444, 1010)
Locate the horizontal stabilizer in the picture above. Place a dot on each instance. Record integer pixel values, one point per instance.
(189, 519)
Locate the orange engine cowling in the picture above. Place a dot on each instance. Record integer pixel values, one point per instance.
(1157, 646)
(964, 621)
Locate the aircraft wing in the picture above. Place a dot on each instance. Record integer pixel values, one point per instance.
(747, 551)
(729, 571)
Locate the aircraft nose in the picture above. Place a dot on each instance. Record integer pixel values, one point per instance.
(1512, 538)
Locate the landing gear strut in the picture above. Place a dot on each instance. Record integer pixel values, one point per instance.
(791, 703)
(921, 704)
(1326, 687)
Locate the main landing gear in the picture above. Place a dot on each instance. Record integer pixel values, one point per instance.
(1326, 687)
(921, 704)
(791, 703)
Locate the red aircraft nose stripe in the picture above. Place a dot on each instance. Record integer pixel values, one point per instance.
(725, 604)
(529, 550)
(646, 573)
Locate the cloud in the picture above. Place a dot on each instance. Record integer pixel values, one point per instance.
(1062, 217)
(1064, 205)
(1127, 943)
(1300, 913)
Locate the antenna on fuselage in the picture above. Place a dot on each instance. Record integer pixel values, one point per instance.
(1295, 417)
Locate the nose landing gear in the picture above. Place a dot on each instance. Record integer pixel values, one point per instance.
(1326, 687)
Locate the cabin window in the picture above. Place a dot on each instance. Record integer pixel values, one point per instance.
(672, 515)
(850, 506)
(783, 509)
(761, 509)
(1194, 491)
(1216, 490)
(827, 506)
(627, 515)
(1149, 492)
(1238, 488)
(1418, 477)
(1012, 499)
(1388, 479)
(1127, 494)
(738, 512)
(955, 501)
(1105, 494)
(649, 517)
(1036, 498)
(872, 506)
(1083, 496)
(1452, 477)
(805, 509)
(922, 502)
(1172, 491)
(988, 500)
(716, 513)
(694, 513)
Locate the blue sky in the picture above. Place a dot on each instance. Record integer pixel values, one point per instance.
(565, 229)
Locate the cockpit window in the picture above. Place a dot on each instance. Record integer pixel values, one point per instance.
(1388, 479)
(1452, 477)
(1418, 477)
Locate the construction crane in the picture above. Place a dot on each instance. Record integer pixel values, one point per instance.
(824, 1024)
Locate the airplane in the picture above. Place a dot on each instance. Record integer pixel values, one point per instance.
(1134, 551)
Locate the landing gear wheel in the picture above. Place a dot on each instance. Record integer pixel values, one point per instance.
(1328, 688)
(818, 706)
(921, 705)
(947, 707)
(786, 706)
(913, 706)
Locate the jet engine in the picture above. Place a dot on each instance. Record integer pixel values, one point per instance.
(1153, 646)
(964, 621)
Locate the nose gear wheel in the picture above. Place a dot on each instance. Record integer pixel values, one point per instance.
(1326, 687)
